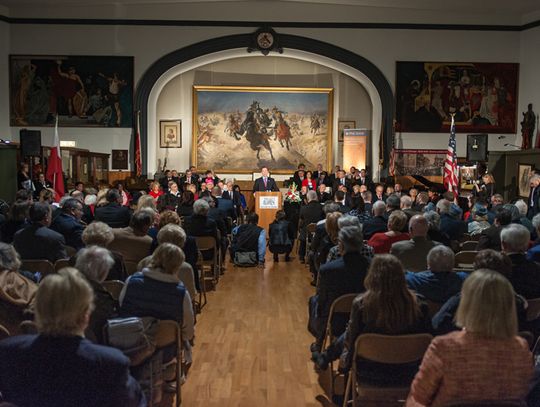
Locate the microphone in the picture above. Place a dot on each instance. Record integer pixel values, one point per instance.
(511, 145)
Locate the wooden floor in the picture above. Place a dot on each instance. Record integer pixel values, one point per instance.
(252, 345)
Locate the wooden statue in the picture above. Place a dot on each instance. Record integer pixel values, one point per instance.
(527, 127)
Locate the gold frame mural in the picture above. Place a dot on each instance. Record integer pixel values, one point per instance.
(240, 129)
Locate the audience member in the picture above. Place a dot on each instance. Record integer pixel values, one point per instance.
(171, 199)
(37, 241)
(59, 366)
(382, 241)
(533, 253)
(521, 206)
(310, 213)
(422, 199)
(249, 238)
(490, 238)
(17, 220)
(113, 213)
(525, 276)
(156, 190)
(378, 223)
(185, 207)
(451, 223)
(367, 197)
(439, 282)
(406, 203)
(434, 232)
(68, 223)
(479, 220)
(281, 236)
(413, 252)
(94, 263)
(533, 204)
(199, 224)
(488, 343)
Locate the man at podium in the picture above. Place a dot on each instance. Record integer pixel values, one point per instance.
(265, 182)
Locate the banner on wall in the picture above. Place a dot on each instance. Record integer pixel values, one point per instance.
(419, 162)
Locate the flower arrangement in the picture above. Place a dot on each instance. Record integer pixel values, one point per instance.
(292, 194)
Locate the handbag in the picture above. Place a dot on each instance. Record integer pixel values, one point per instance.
(245, 259)
(133, 336)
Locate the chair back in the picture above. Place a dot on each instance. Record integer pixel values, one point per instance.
(169, 333)
(4, 333)
(205, 243)
(341, 305)
(45, 267)
(131, 266)
(60, 264)
(533, 309)
(465, 259)
(71, 251)
(395, 349)
(311, 228)
(433, 307)
(114, 287)
(469, 245)
(464, 237)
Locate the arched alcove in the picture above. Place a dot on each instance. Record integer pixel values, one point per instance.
(196, 55)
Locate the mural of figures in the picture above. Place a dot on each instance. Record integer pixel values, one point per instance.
(482, 96)
(82, 90)
(241, 129)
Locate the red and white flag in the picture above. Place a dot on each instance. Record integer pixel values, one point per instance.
(450, 180)
(138, 161)
(54, 166)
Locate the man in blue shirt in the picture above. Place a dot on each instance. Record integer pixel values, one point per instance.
(249, 238)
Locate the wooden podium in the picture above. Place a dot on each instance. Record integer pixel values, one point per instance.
(266, 206)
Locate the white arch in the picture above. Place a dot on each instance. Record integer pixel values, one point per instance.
(152, 129)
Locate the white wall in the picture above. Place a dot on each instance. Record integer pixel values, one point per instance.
(175, 101)
(381, 47)
(529, 90)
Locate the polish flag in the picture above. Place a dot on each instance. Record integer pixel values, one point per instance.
(54, 166)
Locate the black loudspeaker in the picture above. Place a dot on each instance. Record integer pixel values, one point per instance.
(477, 147)
(30, 142)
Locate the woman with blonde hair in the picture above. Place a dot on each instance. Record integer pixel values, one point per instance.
(485, 361)
(155, 190)
(486, 189)
(382, 242)
(59, 366)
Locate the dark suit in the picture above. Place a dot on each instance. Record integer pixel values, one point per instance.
(374, 225)
(525, 276)
(490, 238)
(40, 187)
(270, 185)
(36, 242)
(168, 201)
(310, 213)
(452, 227)
(325, 196)
(533, 202)
(199, 225)
(340, 181)
(164, 182)
(192, 180)
(70, 228)
(227, 207)
(114, 215)
(37, 370)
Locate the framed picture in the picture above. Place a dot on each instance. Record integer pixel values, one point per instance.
(119, 159)
(524, 173)
(483, 97)
(419, 162)
(241, 129)
(343, 125)
(83, 91)
(170, 133)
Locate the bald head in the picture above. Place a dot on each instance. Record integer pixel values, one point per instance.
(418, 226)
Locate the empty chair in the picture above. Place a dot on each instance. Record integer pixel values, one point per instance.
(45, 267)
(114, 287)
(465, 259)
(469, 245)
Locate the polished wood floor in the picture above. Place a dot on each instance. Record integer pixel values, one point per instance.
(252, 345)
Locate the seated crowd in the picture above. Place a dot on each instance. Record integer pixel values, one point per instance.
(396, 251)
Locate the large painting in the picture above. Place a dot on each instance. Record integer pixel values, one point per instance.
(419, 162)
(241, 129)
(95, 91)
(483, 97)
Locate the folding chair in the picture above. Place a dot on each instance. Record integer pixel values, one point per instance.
(465, 259)
(202, 284)
(469, 245)
(114, 287)
(341, 305)
(398, 349)
(533, 309)
(71, 251)
(60, 264)
(131, 266)
(169, 333)
(205, 244)
(45, 267)
(465, 237)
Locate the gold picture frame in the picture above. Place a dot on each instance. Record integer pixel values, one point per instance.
(296, 128)
(344, 125)
(170, 133)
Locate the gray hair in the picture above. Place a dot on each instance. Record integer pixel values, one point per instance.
(311, 196)
(406, 202)
(536, 221)
(9, 258)
(522, 207)
(351, 238)
(515, 238)
(200, 207)
(366, 195)
(330, 208)
(434, 219)
(440, 259)
(348, 220)
(444, 206)
(90, 199)
(94, 262)
(379, 208)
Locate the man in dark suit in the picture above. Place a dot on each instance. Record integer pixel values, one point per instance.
(41, 184)
(379, 193)
(59, 367)
(164, 182)
(490, 238)
(364, 180)
(199, 224)
(187, 179)
(310, 213)
(113, 214)
(265, 182)
(340, 197)
(68, 223)
(344, 275)
(525, 277)
(451, 224)
(322, 195)
(224, 205)
(37, 241)
(340, 180)
(534, 197)
(378, 223)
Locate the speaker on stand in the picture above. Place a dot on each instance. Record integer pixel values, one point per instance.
(477, 147)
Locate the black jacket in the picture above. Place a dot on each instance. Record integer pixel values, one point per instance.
(525, 276)
(270, 185)
(36, 242)
(114, 215)
(310, 213)
(280, 233)
(490, 238)
(374, 225)
(199, 225)
(70, 228)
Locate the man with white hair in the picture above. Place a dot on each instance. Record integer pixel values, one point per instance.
(525, 275)
(521, 205)
(439, 282)
(534, 196)
(378, 223)
(533, 253)
(406, 206)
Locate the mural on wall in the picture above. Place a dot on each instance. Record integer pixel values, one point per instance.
(241, 129)
(419, 162)
(483, 96)
(95, 91)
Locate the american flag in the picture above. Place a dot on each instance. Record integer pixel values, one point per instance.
(138, 161)
(450, 163)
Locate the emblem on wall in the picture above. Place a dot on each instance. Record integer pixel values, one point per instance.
(265, 40)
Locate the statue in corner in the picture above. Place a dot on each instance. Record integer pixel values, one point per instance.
(527, 127)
